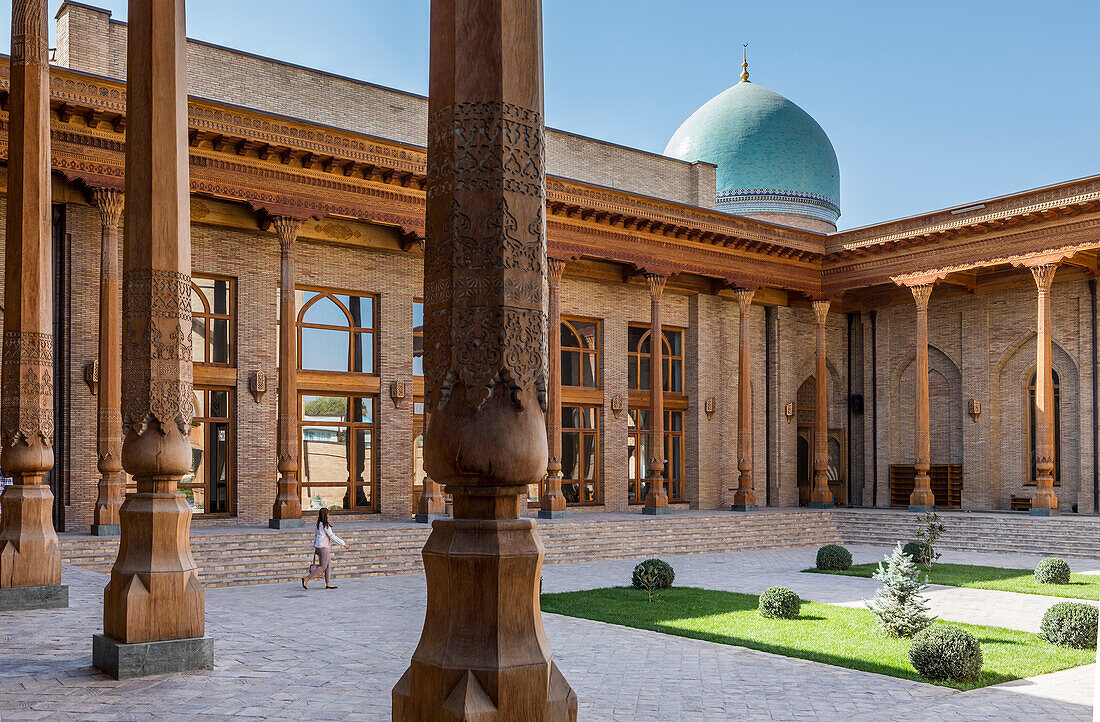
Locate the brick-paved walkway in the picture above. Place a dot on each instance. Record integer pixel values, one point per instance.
(283, 653)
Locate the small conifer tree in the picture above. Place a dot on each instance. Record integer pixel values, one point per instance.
(898, 604)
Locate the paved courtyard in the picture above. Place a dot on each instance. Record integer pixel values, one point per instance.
(283, 653)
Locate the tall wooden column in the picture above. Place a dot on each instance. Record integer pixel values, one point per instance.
(483, 653)
(154, 594)
(820, 496)
(1045, 502)
(552, 503)
(105, 520)
(656, 501)
(287, 511)
(744, 499)
(922, 499)
(29, 553)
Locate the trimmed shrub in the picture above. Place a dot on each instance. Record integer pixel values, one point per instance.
(779, 603)
(658, 571)
(943, 652)
(918, 551)
(1052, 570)
(834, 558)
(1070, 624)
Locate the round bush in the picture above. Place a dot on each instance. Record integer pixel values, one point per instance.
(779, 603)
(1070, 624)
(1052, 570)
(943, 652)
(834, 558)
(919, 551)
(660, 569)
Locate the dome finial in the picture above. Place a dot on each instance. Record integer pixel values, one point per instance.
(745, 63)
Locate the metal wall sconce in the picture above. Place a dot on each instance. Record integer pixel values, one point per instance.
(788, 411)
(91, 376)
(257, 384)
(974, 408)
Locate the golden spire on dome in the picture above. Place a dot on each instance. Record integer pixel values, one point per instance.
(745, 63)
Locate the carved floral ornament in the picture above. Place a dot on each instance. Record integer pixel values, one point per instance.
(398, 392)
(710, 406)
(257, 384)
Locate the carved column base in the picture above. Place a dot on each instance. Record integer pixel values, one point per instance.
(552, 502)
(820, 496)
(29, 552)
(154, 594)
(483, 654)
(1045, 501)
(922, 498)
(107, 504)
(430, 506)
(287, 511)
(744, 498)
(656, 504)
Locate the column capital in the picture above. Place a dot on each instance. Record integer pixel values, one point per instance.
(1044, 275)
(110, 203)
(555, 269)
(287, 228)
(921, 293)
(744, 298)
(656, 283)
(821, 310)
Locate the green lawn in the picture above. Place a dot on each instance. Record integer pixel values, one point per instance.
(841, 636)
(1081, 586)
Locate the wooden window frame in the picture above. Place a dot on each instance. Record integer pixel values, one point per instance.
(418, 335)
(317, 376)
(634, 359)
(670, 481)
(583, 433)
(208, 316)
(582, 353)
(374, 467)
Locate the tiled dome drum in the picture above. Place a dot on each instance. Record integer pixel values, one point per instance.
(773, 159)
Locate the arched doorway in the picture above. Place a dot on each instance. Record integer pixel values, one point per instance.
(806, 414)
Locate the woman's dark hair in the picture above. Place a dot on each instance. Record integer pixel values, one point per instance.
(322, 518)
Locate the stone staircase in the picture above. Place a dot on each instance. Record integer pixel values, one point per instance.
(238, 557)
(1064, 536)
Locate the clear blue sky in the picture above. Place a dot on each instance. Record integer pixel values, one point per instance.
(929, 104)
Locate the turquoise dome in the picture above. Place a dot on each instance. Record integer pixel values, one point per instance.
(772, 157)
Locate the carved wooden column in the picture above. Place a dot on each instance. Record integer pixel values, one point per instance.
(744, 499)
(287, 511)
(1045, 502)
(105, 520)
(820, 496)
(483, 653)
(922, 499)
(30, 560)
(656, 501)
(153, 606)
(552, 503)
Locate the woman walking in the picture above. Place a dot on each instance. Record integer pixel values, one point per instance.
(322, 548)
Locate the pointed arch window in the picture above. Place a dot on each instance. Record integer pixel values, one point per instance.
(336, 332)
(1032, 474)
(580, 353)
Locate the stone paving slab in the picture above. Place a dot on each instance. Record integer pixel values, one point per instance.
(284, 653)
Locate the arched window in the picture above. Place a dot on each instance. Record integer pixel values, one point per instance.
(212, 321)
(335, 332)
(580, 353)
(207, 486)
(639, 357)
(1032, 473)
